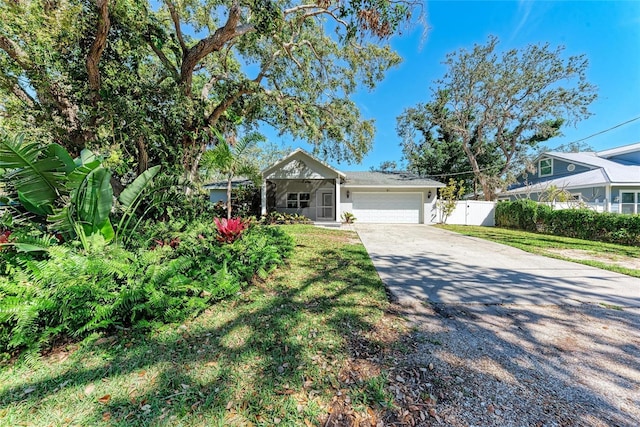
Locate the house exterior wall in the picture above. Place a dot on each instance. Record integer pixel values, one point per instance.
(588, 194)
(286, 186)
(633, 158)
(616, 200)
(217, 195)
(559, 170)
(428, 214)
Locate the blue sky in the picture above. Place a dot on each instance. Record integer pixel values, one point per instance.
(608, 32)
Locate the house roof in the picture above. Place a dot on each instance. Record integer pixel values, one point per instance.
(630, 148)
(238, 181)
(591, 178)
(388, 179)
(614, 172)
(299, 163)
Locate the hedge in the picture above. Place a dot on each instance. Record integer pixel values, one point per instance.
(584, 224)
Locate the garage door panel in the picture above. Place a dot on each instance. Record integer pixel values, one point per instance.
(392, 208)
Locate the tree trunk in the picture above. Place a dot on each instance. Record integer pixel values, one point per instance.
(229, 178)
(143, 156)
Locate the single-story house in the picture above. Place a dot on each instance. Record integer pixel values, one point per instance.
(300, 183)
(609, 179)
(218, 189)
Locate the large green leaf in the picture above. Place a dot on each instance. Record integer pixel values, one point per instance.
(130, 195)
(93, 200)
(57, 150)
(37, 176)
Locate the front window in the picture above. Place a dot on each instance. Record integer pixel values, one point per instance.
(629, 202)
(298, 200)
(545, 167)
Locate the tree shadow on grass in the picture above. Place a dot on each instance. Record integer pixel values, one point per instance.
(272, 355)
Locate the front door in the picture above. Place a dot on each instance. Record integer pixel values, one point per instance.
(325, 207)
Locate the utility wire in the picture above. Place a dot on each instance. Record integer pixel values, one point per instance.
(604, 131)
(573, 142)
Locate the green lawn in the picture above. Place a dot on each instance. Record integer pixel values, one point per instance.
(610, 256)
(271, 355)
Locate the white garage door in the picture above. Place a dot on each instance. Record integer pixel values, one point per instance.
(392, 208)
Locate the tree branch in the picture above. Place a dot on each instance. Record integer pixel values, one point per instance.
(15, 52)
(163, 58)
(224, 105)
(213, 43)
(176, 23)
(19, 92)
(100, 42)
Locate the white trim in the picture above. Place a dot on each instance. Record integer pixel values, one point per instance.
(320, 204)
(540, 175)
(274, 166)
(263, 198)
(298, 199)
(411, 187)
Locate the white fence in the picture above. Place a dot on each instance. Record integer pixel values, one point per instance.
(473, 212)
(598, 207)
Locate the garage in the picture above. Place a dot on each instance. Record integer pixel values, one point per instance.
(388, 208)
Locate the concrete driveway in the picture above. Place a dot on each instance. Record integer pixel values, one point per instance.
(424, 263)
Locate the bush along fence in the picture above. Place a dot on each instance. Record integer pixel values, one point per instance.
(579, 223)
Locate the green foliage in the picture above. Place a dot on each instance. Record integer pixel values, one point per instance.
(71, 292)
(555, 194)
(348, 217)
(578, 223)
(280, 218)
(75, 197)
(233, 161)
(495, 106)
(35, 172)
(449, 197)
(130, 79)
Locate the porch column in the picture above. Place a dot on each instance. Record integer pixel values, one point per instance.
(337, 199)
(263, 198)
(607, 198)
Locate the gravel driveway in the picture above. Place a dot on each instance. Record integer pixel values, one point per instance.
(505, 338)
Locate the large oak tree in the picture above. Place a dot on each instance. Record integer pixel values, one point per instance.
(491, 107)
(149, 81)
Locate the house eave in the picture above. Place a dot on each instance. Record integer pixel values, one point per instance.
(392, 186)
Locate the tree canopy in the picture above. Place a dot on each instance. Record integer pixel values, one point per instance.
(490, 108)
(148, 82)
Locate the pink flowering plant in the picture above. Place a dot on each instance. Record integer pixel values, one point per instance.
(229, 230)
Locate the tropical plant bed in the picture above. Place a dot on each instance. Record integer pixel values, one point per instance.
(607, 256)
(296, 349)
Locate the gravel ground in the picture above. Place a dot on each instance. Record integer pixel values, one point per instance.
(514, 365)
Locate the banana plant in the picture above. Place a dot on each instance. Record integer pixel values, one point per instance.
(89, 201)
(37, 173)
(131, 197)
(75, 196)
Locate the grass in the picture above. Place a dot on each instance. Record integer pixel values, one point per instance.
(273, 354)
(544, 244)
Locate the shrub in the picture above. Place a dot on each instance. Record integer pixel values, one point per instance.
(279, 218)
(579, 223)
(68, 291)
(348, 217)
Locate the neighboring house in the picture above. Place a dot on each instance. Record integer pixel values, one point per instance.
(218, 189)
(609, 179)
(303, 184)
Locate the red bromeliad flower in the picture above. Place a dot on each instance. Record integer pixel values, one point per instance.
(229, 230)
(4, 237)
